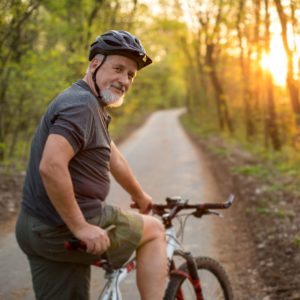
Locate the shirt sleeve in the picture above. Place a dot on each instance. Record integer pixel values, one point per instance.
(75, 123)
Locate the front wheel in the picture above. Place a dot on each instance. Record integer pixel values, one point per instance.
(214, 282)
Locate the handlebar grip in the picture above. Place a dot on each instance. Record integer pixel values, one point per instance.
(74, 244)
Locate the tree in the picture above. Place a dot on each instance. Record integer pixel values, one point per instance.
(292, 84)
(17, 38)
(212, 35)
(271, 120)
(245, 62)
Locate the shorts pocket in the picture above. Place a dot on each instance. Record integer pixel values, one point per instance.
(46, 231)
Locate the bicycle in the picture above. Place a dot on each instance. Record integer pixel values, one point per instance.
(200, 278)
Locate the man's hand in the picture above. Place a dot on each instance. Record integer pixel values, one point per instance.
(95, 238)
(144, 202)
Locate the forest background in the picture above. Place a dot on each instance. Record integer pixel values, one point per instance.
(235, 66)
(233, 63)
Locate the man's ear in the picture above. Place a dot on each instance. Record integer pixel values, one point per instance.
(95, 62)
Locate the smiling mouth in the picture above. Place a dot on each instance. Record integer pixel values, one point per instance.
(119, 88)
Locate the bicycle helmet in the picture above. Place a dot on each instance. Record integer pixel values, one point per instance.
(120, 42)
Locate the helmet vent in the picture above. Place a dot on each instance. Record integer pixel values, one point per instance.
(112, 43)
(128, 41)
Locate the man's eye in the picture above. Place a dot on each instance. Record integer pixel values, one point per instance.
(118, 69)
(131, 76)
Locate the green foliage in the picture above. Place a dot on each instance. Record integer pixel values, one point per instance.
(219, 151)
(197, 125)
(49, 52)
(264, 210)
(44, 46)
(248, 211)
(275, 187)
(263, 207)
(283, 213)
(296, 241)
(251, 170)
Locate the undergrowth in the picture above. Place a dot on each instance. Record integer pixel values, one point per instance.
(278, 169)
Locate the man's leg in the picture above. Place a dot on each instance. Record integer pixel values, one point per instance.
(53, 276)
(60, 281)
(152, 260)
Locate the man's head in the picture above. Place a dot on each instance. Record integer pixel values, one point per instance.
(114, 79)
(123, 43)
(119, 54)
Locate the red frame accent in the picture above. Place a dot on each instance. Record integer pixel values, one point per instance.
(130, 266)
(196, 284)
(98, 263)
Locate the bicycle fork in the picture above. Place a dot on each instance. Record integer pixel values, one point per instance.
(192, 275)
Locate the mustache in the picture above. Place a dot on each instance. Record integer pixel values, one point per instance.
(119, 86)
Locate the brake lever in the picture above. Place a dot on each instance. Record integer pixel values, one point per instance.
(215, 213)
(199, 214)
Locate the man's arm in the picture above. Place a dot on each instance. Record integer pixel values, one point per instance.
(121, 171)
(58, 184)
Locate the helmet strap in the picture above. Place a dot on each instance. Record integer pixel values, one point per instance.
(94, 77)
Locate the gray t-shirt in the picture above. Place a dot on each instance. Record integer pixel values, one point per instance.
(77, 115)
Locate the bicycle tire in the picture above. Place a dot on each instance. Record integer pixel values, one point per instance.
(208, 269)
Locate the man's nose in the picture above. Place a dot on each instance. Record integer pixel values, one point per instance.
(124, 80)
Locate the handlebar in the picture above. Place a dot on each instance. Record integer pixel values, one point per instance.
(177, 202)
(167, 211)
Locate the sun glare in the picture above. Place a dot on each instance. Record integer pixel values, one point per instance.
(276, 61)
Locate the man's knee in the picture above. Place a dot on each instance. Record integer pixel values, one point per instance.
(153, 229)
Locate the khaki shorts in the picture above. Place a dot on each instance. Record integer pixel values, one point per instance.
(61, 274)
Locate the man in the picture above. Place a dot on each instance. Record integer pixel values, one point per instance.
(67, 181)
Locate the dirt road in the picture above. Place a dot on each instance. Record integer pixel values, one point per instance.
(167, 164)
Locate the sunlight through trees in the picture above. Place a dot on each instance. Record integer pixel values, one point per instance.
(234, 64)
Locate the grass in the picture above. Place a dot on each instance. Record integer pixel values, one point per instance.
(275, 187)
(196, 127)
(264, 208)
(279, 170)
(219, 151)
(251, 170)
(296, 241)
(282, 213)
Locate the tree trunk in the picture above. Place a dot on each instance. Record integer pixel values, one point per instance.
(245, 63)
(191, 80)
(271, 115)
(4, 86)
(91, 18)
(292, 84)
(202, 85)
(258, 74)
(220, 97)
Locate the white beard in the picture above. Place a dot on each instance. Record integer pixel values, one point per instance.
(111, 99)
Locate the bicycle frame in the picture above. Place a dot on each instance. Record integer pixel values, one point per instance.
(111, 290)
(191, 275)
(189, 270)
